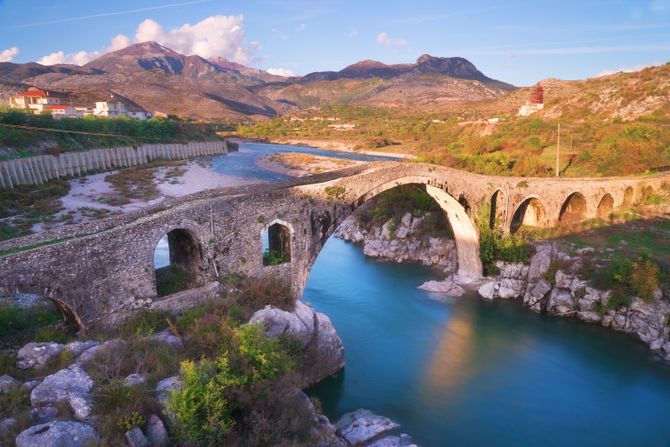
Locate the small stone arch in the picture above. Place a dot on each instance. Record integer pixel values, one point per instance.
(185, 261)
(628, 197)
(497, 212)
(276, 240)
(647, 191)
(573, 210)
(70, 317)
(531, 212)
(605, 206)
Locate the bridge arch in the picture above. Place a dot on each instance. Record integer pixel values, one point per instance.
(497, 212)
(181, 263)
(70, 317)
(277, 241)
(573, 210)
(463, 229)
(530, 212)
(628, 197)
(605, 206)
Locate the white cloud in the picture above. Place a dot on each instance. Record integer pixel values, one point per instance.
(628, 69)
(280, 72)
(214, 36)
(8, 54)
(301, 27)
(384, 39)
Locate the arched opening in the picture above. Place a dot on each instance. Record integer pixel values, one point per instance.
(573, 210)
(177, 262)
(496, 217)
(33, 308)
(628, 197)
(530, 213)
(276, 242)
(647, 192)
(606, 206)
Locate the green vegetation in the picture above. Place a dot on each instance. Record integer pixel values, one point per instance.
(392, 205)
(15, 320)
(494, 245)
(24, 142)
(173, 279)
(274, 257)
(335, 192)
(638, 277)
(238, 386)
(515, 146)
(28, 205)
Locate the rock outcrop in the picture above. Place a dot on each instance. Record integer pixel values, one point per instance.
(364, 428)
(402, 244)
(71, 385)
(315, 333)
(58, 434)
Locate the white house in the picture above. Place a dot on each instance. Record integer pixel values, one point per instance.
(35, 99)
(109, 109)
(63, 111)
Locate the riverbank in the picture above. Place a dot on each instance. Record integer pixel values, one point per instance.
(294, 164)
(332, 145)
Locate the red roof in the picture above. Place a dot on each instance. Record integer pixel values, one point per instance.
(58, 107)
(40, 93)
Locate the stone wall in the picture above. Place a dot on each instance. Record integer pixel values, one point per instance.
(41, 169)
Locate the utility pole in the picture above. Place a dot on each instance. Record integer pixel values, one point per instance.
(558, 150)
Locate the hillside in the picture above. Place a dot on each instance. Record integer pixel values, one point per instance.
(613, 125)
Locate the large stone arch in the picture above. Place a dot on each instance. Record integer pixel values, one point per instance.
(70, 317)
(465, 233)
(530, 212)
(574, 209)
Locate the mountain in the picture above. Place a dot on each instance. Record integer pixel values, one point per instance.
(158, 78)
(430, 82)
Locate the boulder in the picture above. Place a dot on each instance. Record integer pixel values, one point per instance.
(134, 379)
(168, 338)
(314, 331)
(156, 432)
(7, 383)
(402, 440)
(534, 297)
(509, 288)
(36, 355)
(361, 426)
(58, 434)
(561, 302)
(71, 385)
(30, 385)
(90, 353)
(445, 287)
(166, 387)
(135, 438)
(7, 425)
(77, 347)
(589, 316)
(488, 290)
(540, 262)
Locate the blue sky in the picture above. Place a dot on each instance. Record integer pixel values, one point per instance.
(517, 41)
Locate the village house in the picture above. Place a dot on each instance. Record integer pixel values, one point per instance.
(63, 111)
(36, 100)
(112, 109)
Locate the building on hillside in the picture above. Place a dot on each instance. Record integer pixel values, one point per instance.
(535, 102)
(36, 99)
(63, 111)
(116, 108)
(348, 126)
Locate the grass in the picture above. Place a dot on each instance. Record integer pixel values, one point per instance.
(15, 320)
(172, 279)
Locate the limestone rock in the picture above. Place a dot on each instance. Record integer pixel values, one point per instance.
(313, 330)
(535, 297)
(540, 262)
(30, 385)
(561, 302)
(71, 385)
(168, 338)
(487, 290)
(90, 353)
(7, 426)
(361, 426)
(135, 438)
(134, 379)
(7, 383)
(156, 432)
(446, 287)
(58, 434)
(36, 355)
(77, 347)
(589, 316)
(166, 387)
(402, 440)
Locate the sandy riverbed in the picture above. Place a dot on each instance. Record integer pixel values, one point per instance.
(296, 164)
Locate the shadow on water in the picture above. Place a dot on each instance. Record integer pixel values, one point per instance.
(472, 372)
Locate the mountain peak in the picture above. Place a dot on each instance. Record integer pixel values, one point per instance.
(425, 58)
(145, 49)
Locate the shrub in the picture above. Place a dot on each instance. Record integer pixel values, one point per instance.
(494, 245)
(638, 277)
(14, 319)
(146, 322)
(123, 407)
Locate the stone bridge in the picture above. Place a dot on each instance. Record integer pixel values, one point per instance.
(100, 272)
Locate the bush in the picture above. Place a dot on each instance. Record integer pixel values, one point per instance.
(494, 245)
(207, 405)
(124, 407)
(146, 322)
(14, 320)
(638, 277)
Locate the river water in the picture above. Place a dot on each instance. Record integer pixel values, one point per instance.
(468, 372)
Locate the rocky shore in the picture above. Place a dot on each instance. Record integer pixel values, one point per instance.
(544, 287)
(402, 242)
(63, 403)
